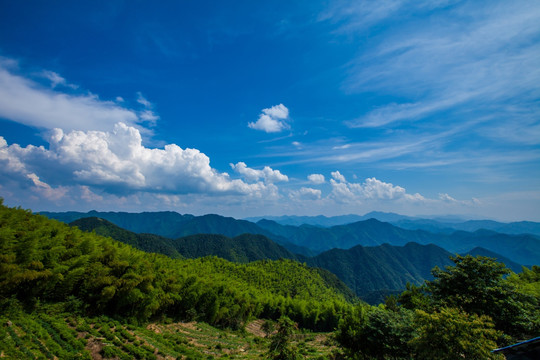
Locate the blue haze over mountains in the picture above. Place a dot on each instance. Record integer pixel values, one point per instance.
(309, 240)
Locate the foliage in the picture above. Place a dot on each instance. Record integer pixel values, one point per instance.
(145, 242)
(368, 270)
(451, 334)
(45, 260)
(280, 347)
(376, 333)
(477, 286)
(462, 313)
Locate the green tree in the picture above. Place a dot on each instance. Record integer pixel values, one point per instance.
(376, 333)
(477, 286)
(280, 347)
(451, 334)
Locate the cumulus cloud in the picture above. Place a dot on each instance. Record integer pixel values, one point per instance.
(337, 176)
(272, 120)
(370, 189)
(267, 174)
(451, 200)
(305, 193)
(116, 162)
(316, 179)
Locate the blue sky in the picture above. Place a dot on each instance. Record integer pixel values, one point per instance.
(246, 108)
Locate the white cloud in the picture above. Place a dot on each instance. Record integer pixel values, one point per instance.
(450, 200)
(143, 101)
(372, 189)
(117, 163)
(25, 101)
(337, 176)
(484, 58)
(148, 116)
(316, 179)
(267, 174)
(56, 79)
(272, 119)
(305, 193)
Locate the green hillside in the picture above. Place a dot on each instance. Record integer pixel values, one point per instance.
(47, 261)
(145, 242)
(242, 249)
(372, 272)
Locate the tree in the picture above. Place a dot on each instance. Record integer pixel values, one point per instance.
(268, 327)
(280, 347)
(476, 285)
(451, 334)
(376, 333)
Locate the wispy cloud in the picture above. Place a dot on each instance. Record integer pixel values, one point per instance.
(27, 102)
(468, 60)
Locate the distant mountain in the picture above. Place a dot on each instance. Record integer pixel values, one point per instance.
(523, 249)
(513, 228)
(241, 249)
(367, 233)
(173, 225)
(479, 251)
(323, 221)
(382, 269)
(145, 242)
(441, 224)
(164, 223)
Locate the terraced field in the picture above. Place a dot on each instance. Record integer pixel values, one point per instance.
(42, 336)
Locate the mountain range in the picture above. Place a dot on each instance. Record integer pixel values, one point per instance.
(440, 224)
(372, 272)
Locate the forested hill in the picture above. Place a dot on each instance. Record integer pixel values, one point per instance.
(243, 248)
(372, 272)
(145, 242)
(50, 261)
(163, 223)
(173, 225)
(480, 251)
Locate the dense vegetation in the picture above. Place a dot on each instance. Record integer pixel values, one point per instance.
(370, 270)
(146, 242)
(43, 260)
(468, 310)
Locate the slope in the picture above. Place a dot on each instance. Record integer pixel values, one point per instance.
(145, 242)
(50, 261)
(244, 248)
(376, 269)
